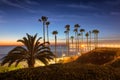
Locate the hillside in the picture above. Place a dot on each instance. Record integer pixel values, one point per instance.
(84, 68)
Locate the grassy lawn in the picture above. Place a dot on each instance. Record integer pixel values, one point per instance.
(6, 68)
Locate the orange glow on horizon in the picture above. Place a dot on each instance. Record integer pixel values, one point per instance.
(7, 43)
(12, 43)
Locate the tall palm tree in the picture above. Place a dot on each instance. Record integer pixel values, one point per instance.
(87, 34)
(95, 32)
(55, 33)
(47, 24)
(72, 37)
(31, 51)
(82, 30)
(43, 19)
(66, 39)
(68, 29)
(76, 26)
(79, 41)
(90, 39)
(75, 30)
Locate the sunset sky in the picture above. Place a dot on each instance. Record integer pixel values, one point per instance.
(18, 17)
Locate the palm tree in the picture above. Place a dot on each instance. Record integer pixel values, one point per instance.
(47, 23)
(76, 26)
(43, 19)
(82, 30)
(90, 40)
(72, 37)
(31, 51)
(66, 38)
(55, 33)
(78, 41)
(87, 34)
(75, 30)
(95, 32)
(68, 29)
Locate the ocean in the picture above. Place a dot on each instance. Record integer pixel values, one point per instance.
(5, 49)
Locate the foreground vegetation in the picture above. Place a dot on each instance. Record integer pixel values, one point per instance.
(6, 68)
(71, 71)
(84, 68)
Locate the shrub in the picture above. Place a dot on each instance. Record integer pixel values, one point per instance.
(97, 57)
(69, 71)
(116, 63)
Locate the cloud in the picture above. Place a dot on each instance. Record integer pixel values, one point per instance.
(83, 9)
(2, 17)
(67, 16)
(74, 6)
(2, 12)
(80, 6)
(23, 4)
(12, 4)
(31, 2)
(63, 18)
(115, 13)
(2, 20)
(115, 2)
(102, 7)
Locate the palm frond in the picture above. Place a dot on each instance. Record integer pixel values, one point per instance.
(45, 54)
(18, 61)
(32, 50)
(36, 45)
(43, 60)
(14, 55)
(44, 48)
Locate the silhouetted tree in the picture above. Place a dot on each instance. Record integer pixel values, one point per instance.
(82, 30)
(47, 24)
(66, 37)
(76, 26)
(31, 51)
(79, 41)
(68, 29)
(72, 37)
(55, 33)
(44, 20)
(90, 39)
(75, 30)
(95, 32)
(87, 34)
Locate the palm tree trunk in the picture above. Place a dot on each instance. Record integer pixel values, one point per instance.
(44, 32)
(81, 42)
(82, 38)
(87, 43)
(90, 41)
(76, 43)
(96, 40)
(47, 35)
(68, 44)
(55, 49)
(72, 46)
(31, 62)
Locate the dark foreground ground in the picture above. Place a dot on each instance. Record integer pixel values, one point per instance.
(96, 65)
